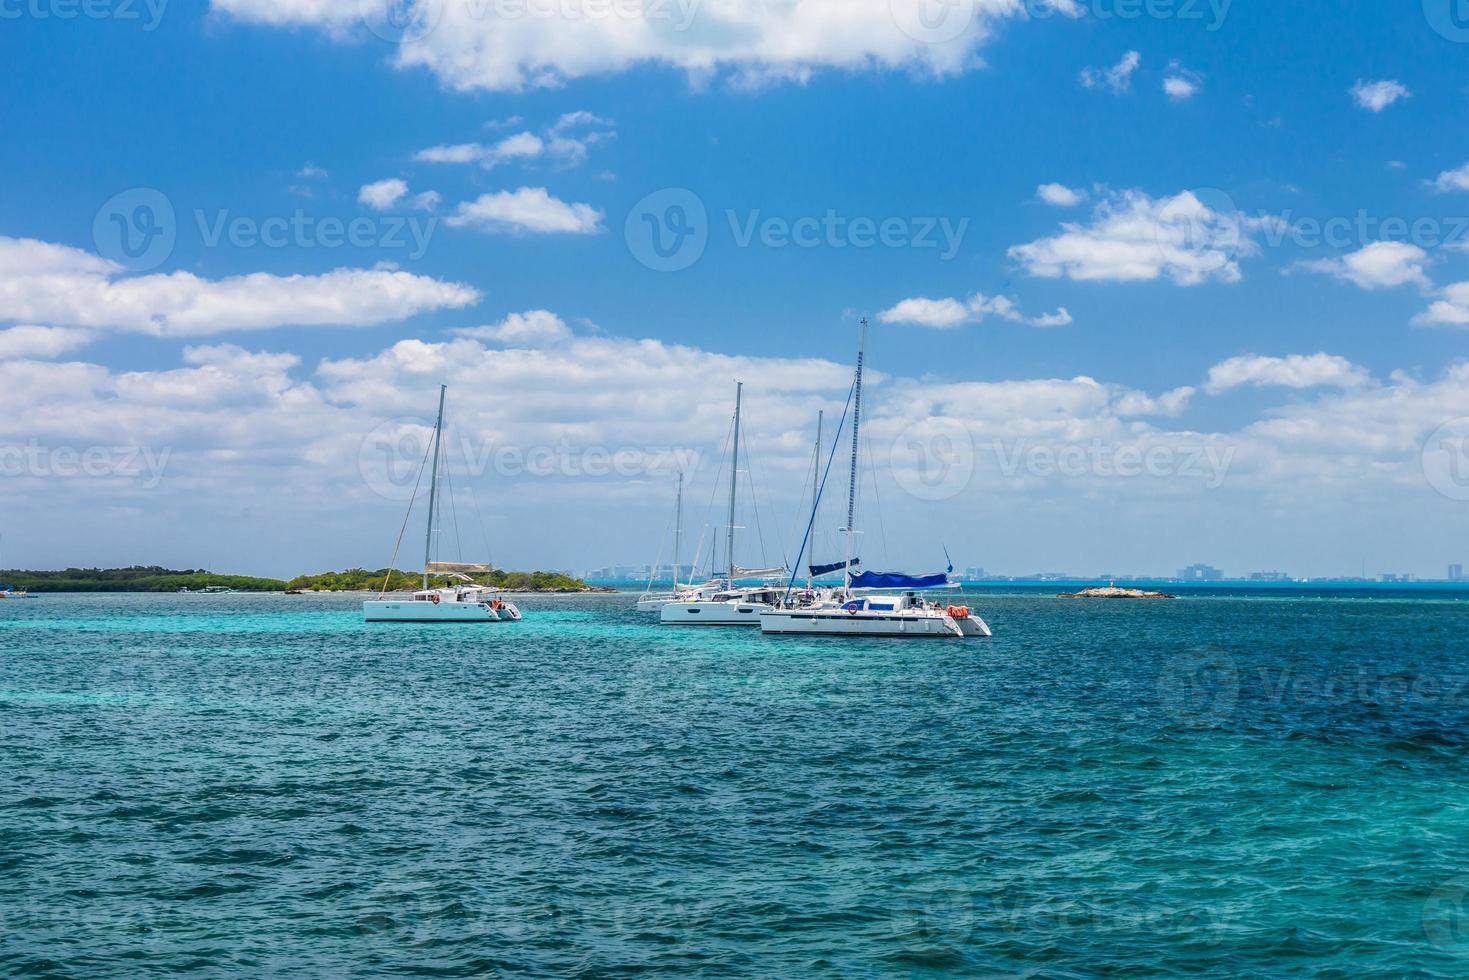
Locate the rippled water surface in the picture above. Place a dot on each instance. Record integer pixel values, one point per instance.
(1254, 786)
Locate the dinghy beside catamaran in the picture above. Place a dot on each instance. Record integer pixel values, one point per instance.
(872, 603)
(464, 602)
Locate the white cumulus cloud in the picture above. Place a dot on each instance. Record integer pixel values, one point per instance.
(1381, 265)
(1060, 195)
(529, 209)
(1118, 78)
(1377, 96)
(385, 194)
(945, 314)
(533, 328)
(1454, 180)
(538, 44)
(1450, 309)
(1136, 238)
(63, 286)
(1294, 371)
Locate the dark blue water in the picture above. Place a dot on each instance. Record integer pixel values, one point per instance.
(1257, 786)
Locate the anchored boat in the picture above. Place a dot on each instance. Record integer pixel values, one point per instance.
(729, 605)
(463, 602)
(872, 603)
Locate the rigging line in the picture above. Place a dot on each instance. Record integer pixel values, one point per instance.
(479, 519)
(393, 562)
(453, 510)
(795, 573)
(755, 504)
(877, 506)
(813, 473)
(714, 492)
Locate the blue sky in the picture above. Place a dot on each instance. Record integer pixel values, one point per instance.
(1190, 154)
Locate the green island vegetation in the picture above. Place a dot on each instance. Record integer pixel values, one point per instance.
(152, 578)
(362, 580)
(139, 578)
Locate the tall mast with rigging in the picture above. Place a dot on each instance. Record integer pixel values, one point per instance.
(677, 531)
(815, 502)
(734, 482)
(433, 486)
(856, 444)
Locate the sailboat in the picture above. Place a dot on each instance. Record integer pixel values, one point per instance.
(856, 610)
(464, 602)
(651, 601)
(728, 605)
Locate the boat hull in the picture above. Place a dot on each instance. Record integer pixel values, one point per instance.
(712, 613)
(839, 622)
(406, 611)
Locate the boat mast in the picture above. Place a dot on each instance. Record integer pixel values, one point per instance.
(815, 502)
(734, 480)
(677, 531)
(856, 436)
(433, 486)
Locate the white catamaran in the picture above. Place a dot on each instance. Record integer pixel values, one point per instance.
(729, 605)
(462, 603)
(873, 603)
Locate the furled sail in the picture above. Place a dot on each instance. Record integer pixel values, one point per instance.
(738, 572)
(894, 580)
(819, 570)
(455, 567)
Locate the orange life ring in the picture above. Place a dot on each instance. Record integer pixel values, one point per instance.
(436, 599)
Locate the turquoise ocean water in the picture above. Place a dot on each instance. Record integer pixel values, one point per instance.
(1240, 785)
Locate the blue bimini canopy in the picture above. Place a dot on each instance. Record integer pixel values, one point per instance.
(894, 580)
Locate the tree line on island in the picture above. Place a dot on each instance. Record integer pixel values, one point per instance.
(153, 578)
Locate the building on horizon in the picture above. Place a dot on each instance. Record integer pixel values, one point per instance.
(1456, 573)
(1403, 578)
(1200, 573)
(974, 574)
(1269, 577)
